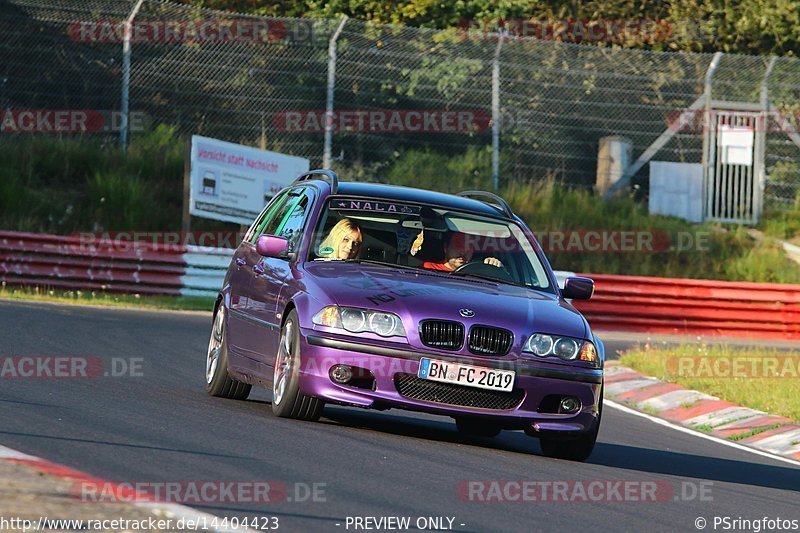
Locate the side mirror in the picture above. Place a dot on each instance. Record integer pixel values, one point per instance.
(576, 288)
(272, 246)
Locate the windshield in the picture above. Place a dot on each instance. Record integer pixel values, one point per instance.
(430, 239)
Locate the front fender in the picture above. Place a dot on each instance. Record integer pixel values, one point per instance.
(307, 306)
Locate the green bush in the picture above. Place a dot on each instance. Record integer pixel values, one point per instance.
(62, 186)
(428, 170)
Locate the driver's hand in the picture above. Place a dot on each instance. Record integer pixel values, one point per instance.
(493, 261)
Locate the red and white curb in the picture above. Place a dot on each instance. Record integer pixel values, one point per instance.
(695, 410)
(168, 510)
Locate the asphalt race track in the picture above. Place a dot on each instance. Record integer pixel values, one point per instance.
(159, 425)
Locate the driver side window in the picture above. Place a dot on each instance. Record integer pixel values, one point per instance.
(291, 222)
(286, 217)
(266, 216)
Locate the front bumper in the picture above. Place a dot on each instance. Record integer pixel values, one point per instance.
(320, 351)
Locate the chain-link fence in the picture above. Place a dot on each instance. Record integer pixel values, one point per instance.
(538, 107)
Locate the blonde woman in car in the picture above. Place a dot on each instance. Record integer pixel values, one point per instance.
(343, 241)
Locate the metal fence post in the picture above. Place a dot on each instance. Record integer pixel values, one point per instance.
(326, 153)
(496, 114)
(761, 143)
(709, 128)
(126, 76)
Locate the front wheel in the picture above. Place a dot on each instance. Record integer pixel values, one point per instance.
(218, 381)
(287, 401)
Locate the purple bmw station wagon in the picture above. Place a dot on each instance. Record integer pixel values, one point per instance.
(383, 297)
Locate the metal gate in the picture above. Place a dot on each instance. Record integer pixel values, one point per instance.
(734, 169)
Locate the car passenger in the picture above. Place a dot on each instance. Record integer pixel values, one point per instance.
(457, 254)
(343, 241)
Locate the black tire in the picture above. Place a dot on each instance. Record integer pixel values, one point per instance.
(573, 449)
(218, 381)
(287, 401)
(478, 427)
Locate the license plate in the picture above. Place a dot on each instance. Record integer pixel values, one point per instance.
(471, 376)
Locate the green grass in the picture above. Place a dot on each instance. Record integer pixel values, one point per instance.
(705, 428)
(103, 299)
(774, 395)
(651, 410)
(752, 432)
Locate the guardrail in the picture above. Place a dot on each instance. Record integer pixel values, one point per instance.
(32, 259)
(692, 306)
(620, 303)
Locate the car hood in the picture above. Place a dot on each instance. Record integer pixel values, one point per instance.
(417, 295)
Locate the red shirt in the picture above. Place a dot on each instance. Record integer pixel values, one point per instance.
(437, 266)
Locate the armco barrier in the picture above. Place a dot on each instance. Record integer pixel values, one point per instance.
(691, 306)
(31, 259)
(620, 303)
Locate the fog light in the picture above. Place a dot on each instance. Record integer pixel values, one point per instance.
(341, 374)
(570, 404)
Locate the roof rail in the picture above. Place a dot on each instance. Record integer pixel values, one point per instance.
(496, 201)
(321, 174)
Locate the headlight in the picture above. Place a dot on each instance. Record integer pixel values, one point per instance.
(540, 345)
(353, 320)
(565, 348)
(384, 324)
(359, 320)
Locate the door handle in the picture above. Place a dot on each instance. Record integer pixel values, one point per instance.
(258, 268)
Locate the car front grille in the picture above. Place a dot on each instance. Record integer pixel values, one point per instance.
(415, 388)
(441, 334)
(485, 340)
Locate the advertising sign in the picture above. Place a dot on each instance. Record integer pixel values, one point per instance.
(232, 182)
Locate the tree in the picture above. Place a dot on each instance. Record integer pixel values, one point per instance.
(732, 26)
